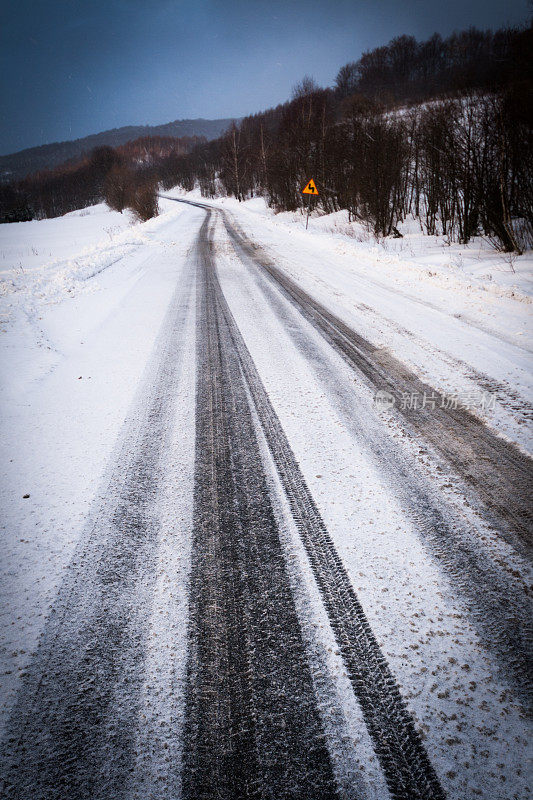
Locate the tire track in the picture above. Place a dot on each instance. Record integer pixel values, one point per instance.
(72, 731)
(498, 472)
(408, 771)
(496, 594)
(252, 726)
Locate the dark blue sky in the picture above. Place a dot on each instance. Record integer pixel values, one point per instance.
(70, 68)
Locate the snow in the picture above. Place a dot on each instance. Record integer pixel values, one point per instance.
(70, 364)
(448, 678)
(82, 300)
(406, 261)
(47, 261)
(456, 315)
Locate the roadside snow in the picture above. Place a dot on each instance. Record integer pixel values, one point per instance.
(70, 364)
(43, 261)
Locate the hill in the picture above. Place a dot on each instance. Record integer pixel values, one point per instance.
(17, 165)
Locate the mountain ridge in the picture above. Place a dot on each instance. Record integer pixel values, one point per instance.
(14, 166)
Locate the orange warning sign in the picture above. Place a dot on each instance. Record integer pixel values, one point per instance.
(310, 188)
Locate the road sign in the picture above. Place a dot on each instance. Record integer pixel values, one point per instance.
(310, 188)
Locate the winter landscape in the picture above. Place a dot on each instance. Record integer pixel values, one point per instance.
(266, 454)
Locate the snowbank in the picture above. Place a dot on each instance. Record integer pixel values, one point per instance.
(45, 261)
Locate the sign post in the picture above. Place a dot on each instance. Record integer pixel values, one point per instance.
(311, 190)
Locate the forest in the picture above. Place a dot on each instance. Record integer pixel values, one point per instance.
(439, 130)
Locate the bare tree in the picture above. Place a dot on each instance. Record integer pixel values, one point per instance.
(118, 187)
(305, 87)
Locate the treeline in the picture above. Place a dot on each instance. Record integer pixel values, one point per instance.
(153, 150)
(440, 130)
(409, 71)
(85, 181)
(461, 164)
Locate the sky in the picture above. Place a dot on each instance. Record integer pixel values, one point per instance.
(70, 68)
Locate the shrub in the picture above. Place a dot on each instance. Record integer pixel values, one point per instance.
(118, 188)
(143, 200)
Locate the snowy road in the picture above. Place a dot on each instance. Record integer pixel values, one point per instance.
(280, 588)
